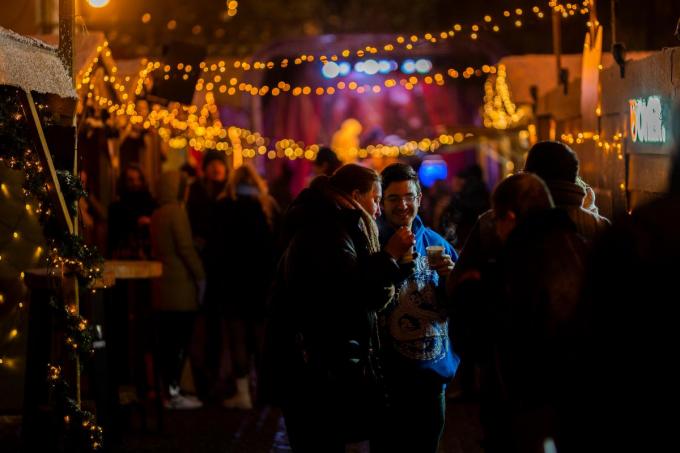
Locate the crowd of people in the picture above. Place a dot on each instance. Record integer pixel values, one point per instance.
(351, 314)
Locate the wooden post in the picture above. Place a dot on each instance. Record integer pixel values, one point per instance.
(67, 14)
(613, 20)
(557, 43)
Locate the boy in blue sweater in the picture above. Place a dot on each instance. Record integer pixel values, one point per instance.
(418, 360)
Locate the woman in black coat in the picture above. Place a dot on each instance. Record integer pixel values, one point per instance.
(241, 268)
(330, 282)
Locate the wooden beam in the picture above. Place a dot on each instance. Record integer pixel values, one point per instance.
(46, 158)
(67, 15)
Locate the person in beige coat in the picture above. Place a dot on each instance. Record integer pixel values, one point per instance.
(180, 290)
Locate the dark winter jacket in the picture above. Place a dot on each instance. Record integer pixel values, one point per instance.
(127, 238)
(328, 287)
(526, 318)
(569, 197)
(542, 268)
(239, 258)
(631, 295)
(201, 209)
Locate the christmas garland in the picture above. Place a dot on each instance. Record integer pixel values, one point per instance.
(67, 253)
(78, 339)
(17, 154)
(80, 426)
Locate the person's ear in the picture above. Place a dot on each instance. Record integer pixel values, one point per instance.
(356, 194)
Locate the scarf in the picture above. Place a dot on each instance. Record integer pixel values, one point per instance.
(367, 224)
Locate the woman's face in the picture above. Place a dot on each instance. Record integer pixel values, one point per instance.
(133, 180)
(370, 200)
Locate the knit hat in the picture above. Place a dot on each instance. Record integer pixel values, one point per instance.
(552, 161)
(212, 155)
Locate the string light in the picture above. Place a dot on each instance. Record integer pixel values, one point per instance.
(191, 125)
(407, 44)
(499, 111)
(615, 144)
(570, 8)
(234, 86)
(399, 43)
(198, 132)
(181, 126)
(232, 8)
(608, 146)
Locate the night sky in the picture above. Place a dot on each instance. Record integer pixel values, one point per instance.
(641, 24)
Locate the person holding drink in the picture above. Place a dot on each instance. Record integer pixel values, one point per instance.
(417, 358)
(322, 335)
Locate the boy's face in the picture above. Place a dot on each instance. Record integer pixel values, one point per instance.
(401, 201)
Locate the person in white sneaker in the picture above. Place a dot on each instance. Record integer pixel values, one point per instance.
(243, 253)
(178, 292)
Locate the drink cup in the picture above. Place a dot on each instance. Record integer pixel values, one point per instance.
(408, 256)
(434, 254)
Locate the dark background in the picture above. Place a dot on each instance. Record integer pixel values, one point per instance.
(641, 24)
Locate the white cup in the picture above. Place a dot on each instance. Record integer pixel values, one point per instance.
(434, 254)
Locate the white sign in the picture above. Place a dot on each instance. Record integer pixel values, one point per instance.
(647, 121)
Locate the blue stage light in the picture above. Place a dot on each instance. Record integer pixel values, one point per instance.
(330, 70)
(431, 170)
(423, 66)
(408, 67)
(384, 66)
(345, 68)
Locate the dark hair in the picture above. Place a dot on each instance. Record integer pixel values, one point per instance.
(552, 161)
(122, 186)
(325, 155)
(522, 194)
(472, 171)
(212, 155)
(351, 177)
(398, 172)
(188, 169)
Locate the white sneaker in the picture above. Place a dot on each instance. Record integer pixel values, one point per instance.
(192, 398)
(181, 402)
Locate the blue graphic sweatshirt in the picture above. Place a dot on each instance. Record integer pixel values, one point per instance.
(415, 324)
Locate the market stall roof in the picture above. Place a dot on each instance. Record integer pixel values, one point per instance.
(540, 70)
(32, 65)
(89, 46)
